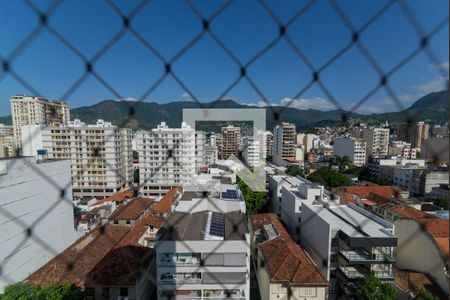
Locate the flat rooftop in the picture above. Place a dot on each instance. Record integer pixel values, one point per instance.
(352, 222)
(185, 226)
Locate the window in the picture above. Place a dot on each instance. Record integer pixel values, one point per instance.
(116, 221)
(124, 292)
(128, 221)
(308, 292)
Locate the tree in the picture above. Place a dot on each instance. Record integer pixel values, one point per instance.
(254, 201)
(442, 203)
(294, 170)
(371, 288)
(25, 291)
(135, 154)
(329, 178)
(423, 294)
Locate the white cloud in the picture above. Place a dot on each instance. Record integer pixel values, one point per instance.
(443, 66)
(304, 104)
(312, 103)
(186, 97)
(435, 85)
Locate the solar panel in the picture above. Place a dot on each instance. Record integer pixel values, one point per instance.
(217, 225)
(230, 194)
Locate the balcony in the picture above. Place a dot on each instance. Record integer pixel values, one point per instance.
(180, 259)
(353, 272)
(361, 256)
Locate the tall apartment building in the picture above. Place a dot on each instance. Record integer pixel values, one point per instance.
(413, 133)
(31, 197)
(269, 143)
(377, 141)
(254, 152)
(284, 140)
(348, 243)
(167, 158)
(31, 110)
(100, 154)
(231, 139)
(307, 140)
(353, 148)
(211, 150)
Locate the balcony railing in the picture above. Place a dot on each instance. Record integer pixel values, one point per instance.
(360, 255)
(352, 273)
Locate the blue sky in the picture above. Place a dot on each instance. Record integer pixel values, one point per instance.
(246, 28)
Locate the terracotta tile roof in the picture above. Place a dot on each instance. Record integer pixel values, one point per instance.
(132, 210)
(284, 259)
(164, 205)
(117, 197)
(259, 220)
(120, 267)
(410, 280)
(139, 229)
(409, 212)
(363, 192)
(443, 245)
(82, 257)
(437, 227)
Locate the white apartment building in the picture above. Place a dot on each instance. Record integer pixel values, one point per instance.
(377, 141)
(100, 154)
(269, 143)
(210, 260)
(308, 140)
(283, 141)
(31, 110)
(348, 243)
(353, 148)
(30, 200)
(167, 158)
(255, 151)
(211, 150)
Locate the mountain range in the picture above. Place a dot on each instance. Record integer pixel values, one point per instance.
(432, 107)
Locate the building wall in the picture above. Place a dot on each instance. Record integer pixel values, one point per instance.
(316, 239)
(417, 251)
(354, 149)
(35, 200)
(166, 159)
(101, 156)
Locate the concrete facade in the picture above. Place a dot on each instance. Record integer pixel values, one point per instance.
(35, 200)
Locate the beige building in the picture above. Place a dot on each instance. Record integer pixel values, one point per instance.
(231, 138)
(284, 140)
(377, 141)
(403, 149)
(413, 133)
(31, 110)
(307, 140)
(100, 154)
(281, 264)
(7, 146)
